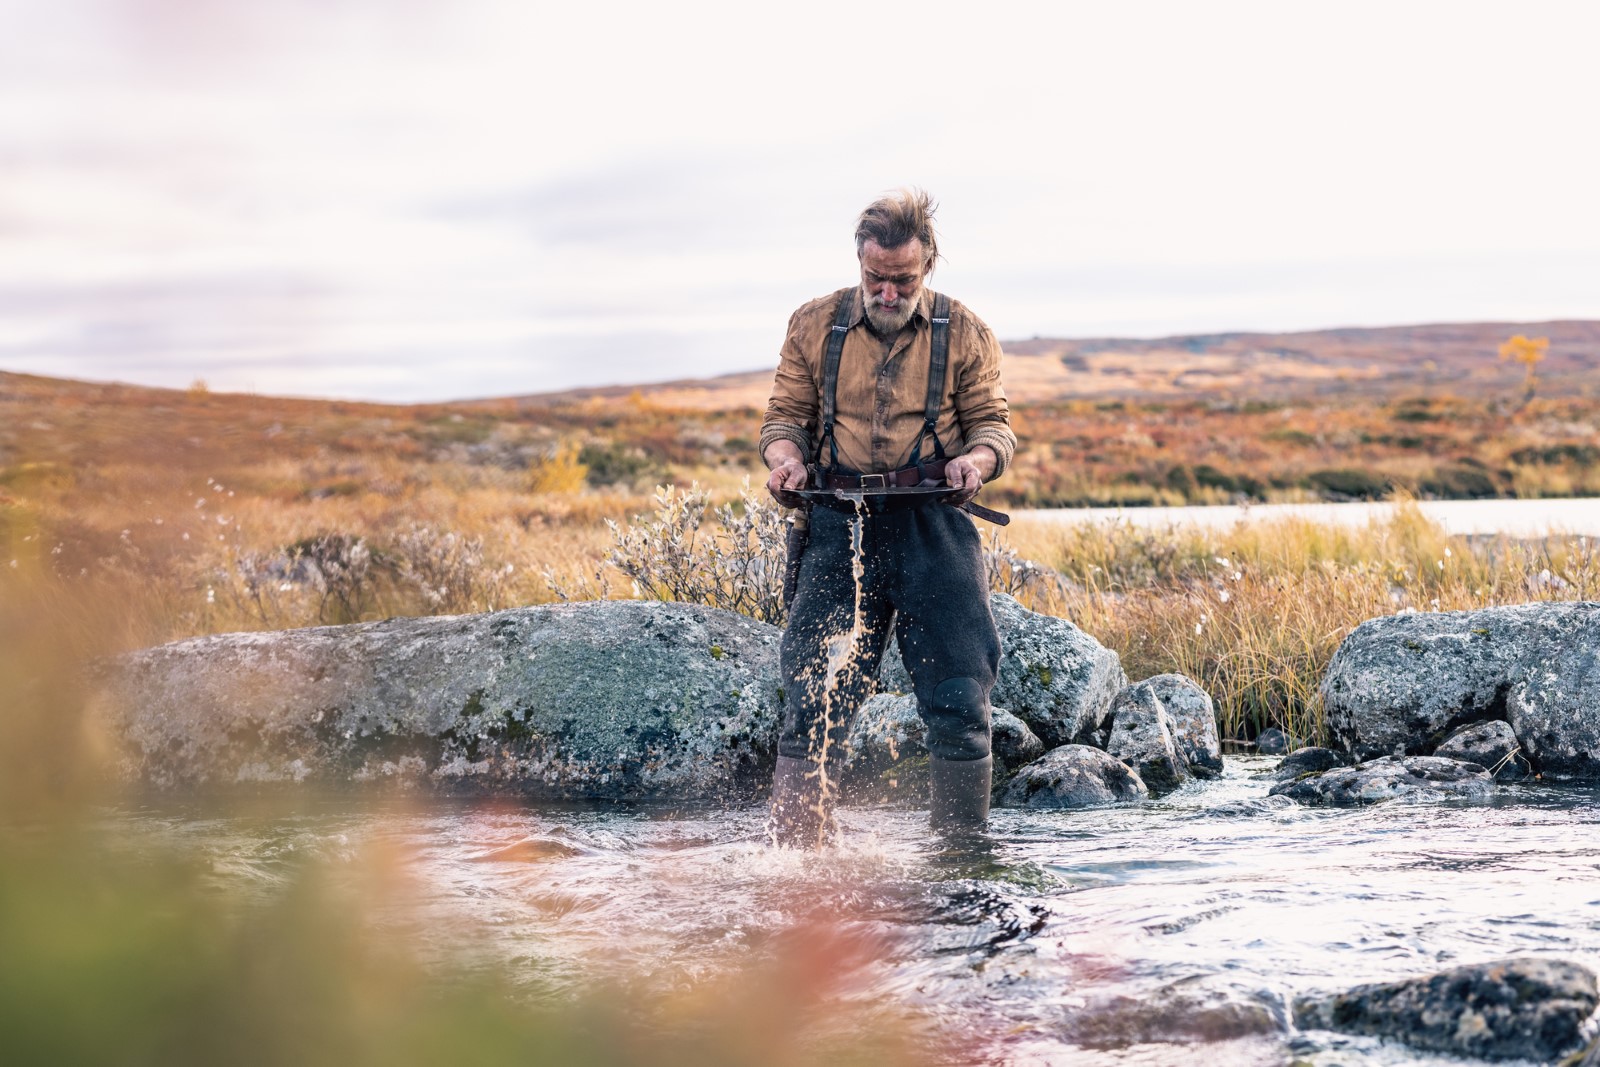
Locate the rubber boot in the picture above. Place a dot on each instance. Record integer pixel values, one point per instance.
(799, 818)
(958, 793)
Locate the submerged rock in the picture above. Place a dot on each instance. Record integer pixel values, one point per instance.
(1402, 684)
(1141, 737)
(608, 699)
(886, 757)
(1491, 745)
(1193, 721)
(1073, 776)
(1414, 778)
(1306, 761)
(1272, 742)
(1190, 1010)
(1512, 1009)
(1053, 676)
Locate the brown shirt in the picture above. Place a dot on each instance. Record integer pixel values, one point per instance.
(883, 386)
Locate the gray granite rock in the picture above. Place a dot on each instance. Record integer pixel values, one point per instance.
(1273, 742)
(1189, 1010)
(1053, 676)
(1528, 1009)
(611, 699)
(886, 756)
(1412, 778)
(1073, 776)
(1307, 761)
(1402, 684)
(1192, 718)
(1141, 737)
(1488, 744)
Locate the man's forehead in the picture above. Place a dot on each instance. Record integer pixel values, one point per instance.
(905, 259)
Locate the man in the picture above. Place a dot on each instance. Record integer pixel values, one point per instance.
(887, 416)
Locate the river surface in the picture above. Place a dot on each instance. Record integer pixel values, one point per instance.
(1515, 518)
(1019, 947)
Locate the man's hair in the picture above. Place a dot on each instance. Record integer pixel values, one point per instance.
(896, 218)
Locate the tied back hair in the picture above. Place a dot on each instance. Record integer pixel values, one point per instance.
(898, 217)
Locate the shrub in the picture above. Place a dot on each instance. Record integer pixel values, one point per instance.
(1350, 483)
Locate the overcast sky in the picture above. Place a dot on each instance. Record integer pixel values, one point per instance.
(405, 200)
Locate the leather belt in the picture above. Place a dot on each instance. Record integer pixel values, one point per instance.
(896, 479)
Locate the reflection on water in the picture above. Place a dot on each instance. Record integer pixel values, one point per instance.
(1030, 943)
(1515, 518)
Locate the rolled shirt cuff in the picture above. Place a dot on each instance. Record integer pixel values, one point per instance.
(784, 431)
(998, 437)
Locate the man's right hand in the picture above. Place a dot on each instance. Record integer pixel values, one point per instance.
(786, 477)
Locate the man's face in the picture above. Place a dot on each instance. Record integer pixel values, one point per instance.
(891, 283)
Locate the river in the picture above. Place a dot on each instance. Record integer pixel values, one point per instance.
(1017, 947)
(1515, 518)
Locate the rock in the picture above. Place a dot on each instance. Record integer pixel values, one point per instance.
(1272, 742)
(1073, 776)
(1491, 745)
(1142, 738)
(1306, 761)
(1413, 778)
(887, 755)
(1189, 1010)
(1193, 721)
(1402, 684)
(1528, 1009)
(610, 699)
(1053, 676)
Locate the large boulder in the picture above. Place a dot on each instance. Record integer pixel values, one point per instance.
(609, 699)
(887, 754)
(1141, 737)
(1074, 776)
(1413, 778)
(1523, 1009)
(1053, 676)
(1402, 684)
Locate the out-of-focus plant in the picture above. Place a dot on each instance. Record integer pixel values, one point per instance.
(1528, 351)
(449, 571)
(558, 470)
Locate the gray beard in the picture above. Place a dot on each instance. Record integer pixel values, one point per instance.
(885, 322)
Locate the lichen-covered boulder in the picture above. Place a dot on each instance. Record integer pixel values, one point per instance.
(1074, 776)
(1141, 737)
(608, 699)
(1192, 718)
(1521, 1009)
(1053, 676)
(1413, 778)
(1402, 684)
(886, 756)
(1488, 744)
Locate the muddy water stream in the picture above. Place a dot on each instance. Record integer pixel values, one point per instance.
(1019, 945)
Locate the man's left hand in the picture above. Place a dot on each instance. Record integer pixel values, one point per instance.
(966, 473)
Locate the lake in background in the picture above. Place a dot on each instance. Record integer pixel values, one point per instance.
(1515, 518)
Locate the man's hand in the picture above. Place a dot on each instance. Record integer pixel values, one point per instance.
(788, 472)
(966, 473)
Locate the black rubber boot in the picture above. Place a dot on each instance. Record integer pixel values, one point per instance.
(800, 818)
(958, 793)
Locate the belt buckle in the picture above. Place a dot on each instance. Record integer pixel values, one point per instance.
(874, 481)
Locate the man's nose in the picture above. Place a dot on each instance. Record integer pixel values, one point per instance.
(889, 293)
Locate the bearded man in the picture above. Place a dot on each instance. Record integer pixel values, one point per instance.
(886, 384)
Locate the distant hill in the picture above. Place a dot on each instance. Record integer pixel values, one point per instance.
(1379, 360)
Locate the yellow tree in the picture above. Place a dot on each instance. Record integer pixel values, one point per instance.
(1527, 351)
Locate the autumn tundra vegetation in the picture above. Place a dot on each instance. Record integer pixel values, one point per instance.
(131, 516)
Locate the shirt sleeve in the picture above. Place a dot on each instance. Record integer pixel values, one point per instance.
(980, 400)
(792, 411)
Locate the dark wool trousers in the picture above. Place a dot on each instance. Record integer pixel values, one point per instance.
(923, 574)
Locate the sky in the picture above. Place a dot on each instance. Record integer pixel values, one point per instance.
(409, 201)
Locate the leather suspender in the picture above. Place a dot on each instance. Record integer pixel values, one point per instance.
(938, 361)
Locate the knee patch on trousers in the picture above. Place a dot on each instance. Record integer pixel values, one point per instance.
(958, 720)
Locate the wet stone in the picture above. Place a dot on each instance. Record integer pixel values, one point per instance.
(1411, 778)
(1074, 776)
(1308, 760)
(1272, 742)
(1192, 718)
(1524, 1008)
(1491, 745)
(1183, 1011)
(1141, 737)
